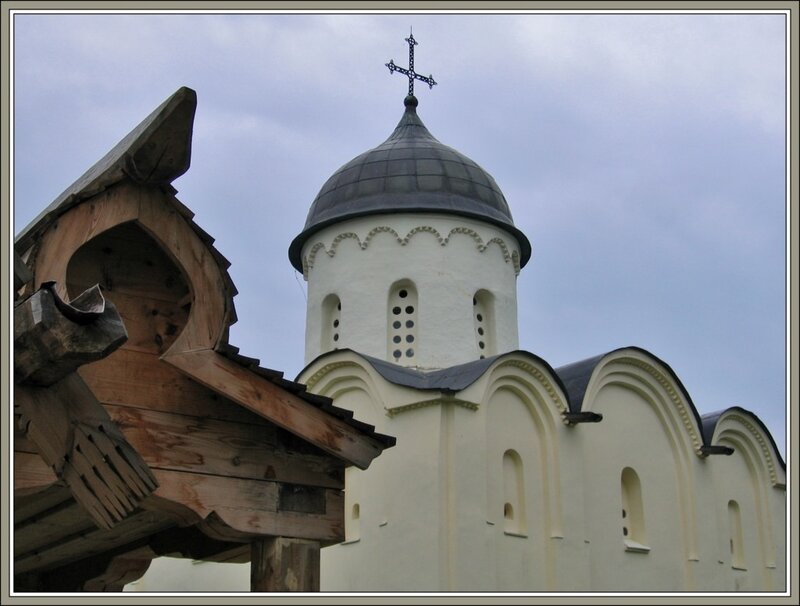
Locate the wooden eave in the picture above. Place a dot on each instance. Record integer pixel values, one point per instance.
(201, 487)
(157, 151)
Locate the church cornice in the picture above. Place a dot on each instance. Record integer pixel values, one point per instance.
(759, 439)
(683, 410)
(509, 255)
(432, 402)
(543, 379)
(314, 380)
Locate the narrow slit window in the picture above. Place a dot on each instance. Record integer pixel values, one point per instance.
(483, 322)
(513, 494)
(633, 526)
(736, 536)
(331, 334)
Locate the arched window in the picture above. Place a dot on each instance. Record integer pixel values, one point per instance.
(331, 323)
(402, 322)
(483, 321)
(514, 521)
(633, 528)
(736, 536)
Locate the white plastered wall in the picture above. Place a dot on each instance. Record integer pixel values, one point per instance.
(447, 258)
(431, 507)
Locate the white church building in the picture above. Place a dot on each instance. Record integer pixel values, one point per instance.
(508, 474)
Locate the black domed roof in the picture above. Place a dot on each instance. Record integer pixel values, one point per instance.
(409, 172)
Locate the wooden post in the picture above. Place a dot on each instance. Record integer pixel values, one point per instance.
(284, 564)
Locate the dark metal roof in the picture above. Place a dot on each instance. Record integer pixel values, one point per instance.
(573, 379)
(455, 378)
(410, 172)
(711, 419)
(576, 377)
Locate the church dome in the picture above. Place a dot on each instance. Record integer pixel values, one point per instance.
(410, 172)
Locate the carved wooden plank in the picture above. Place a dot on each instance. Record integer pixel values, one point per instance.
(31, 474)
(112, 569)
(282, 564)
(46, 423)
(22, 275)
(28, 507)
(82, 223)
(93, 542)
(51, 527)
(282, 408)
(190, 542)
(152, 325)
(48, 345)
(139, 379)
(77, 438)
(127, 258)
(209, 446)
(21, 441)
(209, 319)
(141, 279)
(121, 570)
(254, 512)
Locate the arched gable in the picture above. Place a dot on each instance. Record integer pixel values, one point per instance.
(533, 379)
(521, 381)
(656, 385)
(639, 370)
(742, 429)
(344, 374)
(743, 479)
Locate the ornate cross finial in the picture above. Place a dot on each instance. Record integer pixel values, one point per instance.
(410, 71)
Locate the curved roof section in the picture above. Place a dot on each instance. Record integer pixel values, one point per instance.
(711, 419)
(451, 379)
(576, 377)
(410, 172)
(573, 379)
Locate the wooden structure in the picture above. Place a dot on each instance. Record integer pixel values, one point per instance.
(141, 432)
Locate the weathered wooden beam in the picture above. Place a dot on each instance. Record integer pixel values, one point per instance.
(31, 474)
(79, 441)
(52, 338)
(27, 507)
(283, 564)
(277, 405)
(111, 570)
(121, 570)
(216, 447)
(254, 512)
(190, 542)
(22, 275)
(91, 542)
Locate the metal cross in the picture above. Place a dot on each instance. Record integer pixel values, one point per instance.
(410, 71)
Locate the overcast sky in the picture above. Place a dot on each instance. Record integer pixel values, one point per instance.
(642, 154)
